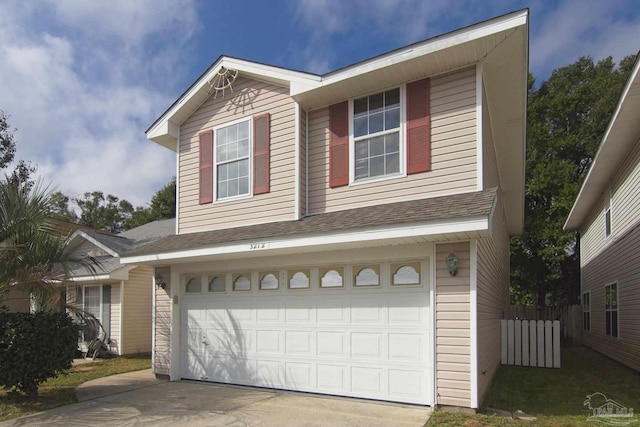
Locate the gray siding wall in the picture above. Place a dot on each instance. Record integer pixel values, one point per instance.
(618, 263)
(453, 153)
(453, 326)
(492, 298)
(249, 98)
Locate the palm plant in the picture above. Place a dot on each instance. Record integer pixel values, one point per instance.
(34, 255)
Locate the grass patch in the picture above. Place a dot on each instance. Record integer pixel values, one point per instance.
(59, 391)
(554, 396)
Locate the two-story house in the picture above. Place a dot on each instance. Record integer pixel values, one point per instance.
(347, 233)
(607, 215)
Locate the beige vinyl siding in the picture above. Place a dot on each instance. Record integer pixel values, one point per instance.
(162, 327)
(15, 302)
(624, 204)
(249, 98)
(303, 162)
(490, 173)
(453, 322)
(453, 153)
(136, 311)
(625, 194)
(618, 263)
(116, 324)
(592, 238)
(492, 298)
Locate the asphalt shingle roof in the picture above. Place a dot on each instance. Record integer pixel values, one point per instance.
(416, 211)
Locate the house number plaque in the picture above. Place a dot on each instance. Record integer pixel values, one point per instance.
(258, 245)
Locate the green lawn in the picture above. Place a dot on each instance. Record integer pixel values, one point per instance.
(59, 391)
(554, 396)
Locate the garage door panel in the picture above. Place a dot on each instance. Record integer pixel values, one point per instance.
(299, 310)
(406, 383)
(299, 376)
(332, 310)
(331, 378)
(407, 347)
(268, 341)
(370, 343)
(367, 345)
(331, 344)
(300, 343)
(367, 381)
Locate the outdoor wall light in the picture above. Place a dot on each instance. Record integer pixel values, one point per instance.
(452, 264)
(160, 283)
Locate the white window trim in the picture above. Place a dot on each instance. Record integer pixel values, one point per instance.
(249, 195)
(586, 311)
(607, 212)
(402, 141)
(84, 298)
(607, 310)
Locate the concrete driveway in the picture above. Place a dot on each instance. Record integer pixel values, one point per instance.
(139, 399)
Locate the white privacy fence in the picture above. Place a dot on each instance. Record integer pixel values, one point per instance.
(530, 343)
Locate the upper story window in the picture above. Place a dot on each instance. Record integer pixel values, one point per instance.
(232, 161)
(607, 214)
(376, 135)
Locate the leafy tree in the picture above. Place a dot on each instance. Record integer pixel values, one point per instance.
(98, 211)
(59, 208)
(7, 143)
(34, 255)
(163, 206)
(567, 117)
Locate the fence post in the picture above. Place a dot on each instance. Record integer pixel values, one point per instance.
(503, 341)
(556, 344)
(525, 343)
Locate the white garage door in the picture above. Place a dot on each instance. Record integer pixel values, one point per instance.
(369, 343)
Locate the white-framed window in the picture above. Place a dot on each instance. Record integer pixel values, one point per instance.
(269, 280)
(377, 141)
(92, 300)
(217, 283)
(242, 282)
(607, 214)
(232, 159)
(299, 279)
(586, 311)
(611, 309)
(331, 277)
(193, 285)
(366, 275)
(405, 274)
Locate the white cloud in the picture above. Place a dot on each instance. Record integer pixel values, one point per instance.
(81, 81)
(577, 28)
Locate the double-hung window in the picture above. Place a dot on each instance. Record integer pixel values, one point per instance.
(376, 135)
(232, 159)
(586, 311)
(611, 309)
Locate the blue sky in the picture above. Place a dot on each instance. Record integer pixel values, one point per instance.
(82, 80)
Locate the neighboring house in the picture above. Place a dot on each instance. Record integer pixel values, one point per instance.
(119, 296)
(607, 215)
(347, 233)
(18, 301)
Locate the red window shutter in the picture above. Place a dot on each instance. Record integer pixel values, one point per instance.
(339, 144)
(261, 154)
(206, 167)
(418, 127)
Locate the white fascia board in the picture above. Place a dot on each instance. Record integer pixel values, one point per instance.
(464, 35)
(445, 227)
(97, 243)
(285, 76)
(591, 188)
(120, 274)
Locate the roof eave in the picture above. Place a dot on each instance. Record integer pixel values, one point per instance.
(620, 137)
(165, 130)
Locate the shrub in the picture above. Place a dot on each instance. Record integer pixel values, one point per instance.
(34, 348)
